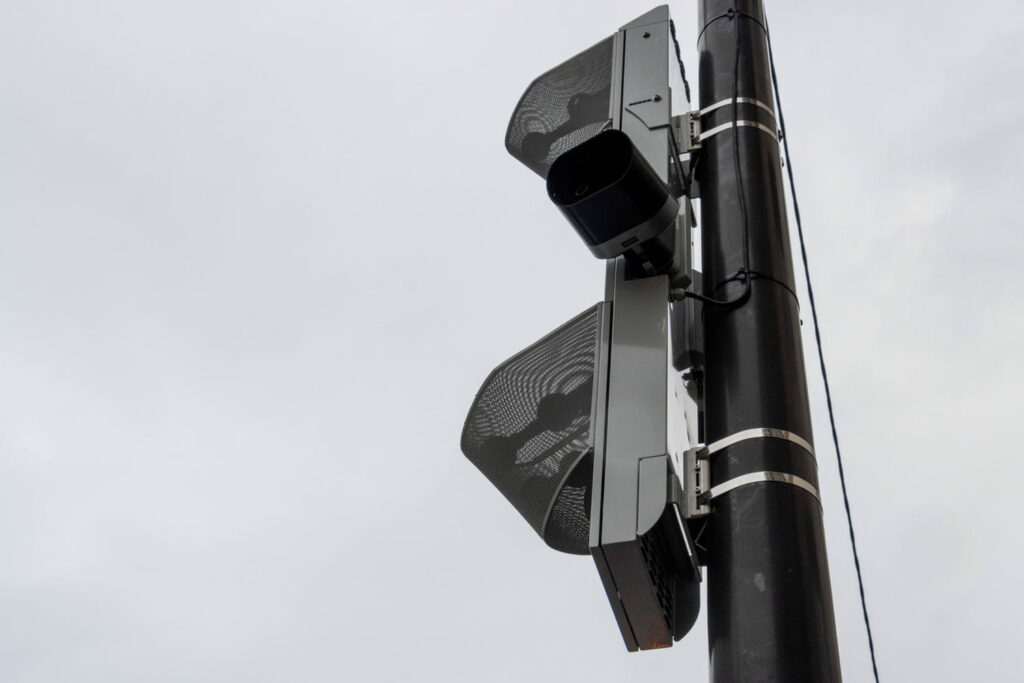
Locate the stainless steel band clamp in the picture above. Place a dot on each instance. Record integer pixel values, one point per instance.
(697, 490)
(697, 134)
(739, 100)
(755, 477)
(760, 433)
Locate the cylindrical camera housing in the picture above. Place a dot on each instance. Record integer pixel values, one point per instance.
(610, 194)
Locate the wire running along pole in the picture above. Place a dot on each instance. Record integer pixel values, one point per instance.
(821, 353)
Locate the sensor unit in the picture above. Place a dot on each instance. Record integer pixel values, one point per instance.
(611, 195)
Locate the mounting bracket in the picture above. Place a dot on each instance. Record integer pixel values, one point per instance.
(695, 492)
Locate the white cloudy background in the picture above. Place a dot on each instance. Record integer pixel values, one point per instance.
(256, 258)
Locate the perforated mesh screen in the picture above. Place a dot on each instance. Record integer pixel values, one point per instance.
(562, 108)
(529, 432)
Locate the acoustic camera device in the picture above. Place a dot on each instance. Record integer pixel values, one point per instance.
(584, 431)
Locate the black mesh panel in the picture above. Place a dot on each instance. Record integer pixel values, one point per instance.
(529, 432)
(562, 108)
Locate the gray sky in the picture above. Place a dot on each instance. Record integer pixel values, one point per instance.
(256, 259)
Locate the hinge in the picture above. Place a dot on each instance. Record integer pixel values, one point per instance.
(696, 483)
(693, 131)
(687, 130)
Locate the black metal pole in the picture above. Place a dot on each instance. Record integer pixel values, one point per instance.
(770, 615)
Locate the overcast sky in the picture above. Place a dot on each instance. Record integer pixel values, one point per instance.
(257, 257)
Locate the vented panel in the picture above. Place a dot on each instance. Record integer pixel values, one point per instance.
(562, 108)
(661, 568)
(529, 432)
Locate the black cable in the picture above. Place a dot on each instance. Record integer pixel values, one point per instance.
(744, 272)
(679, 59)
(821, 356)
(684, 179)
(741, 194)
